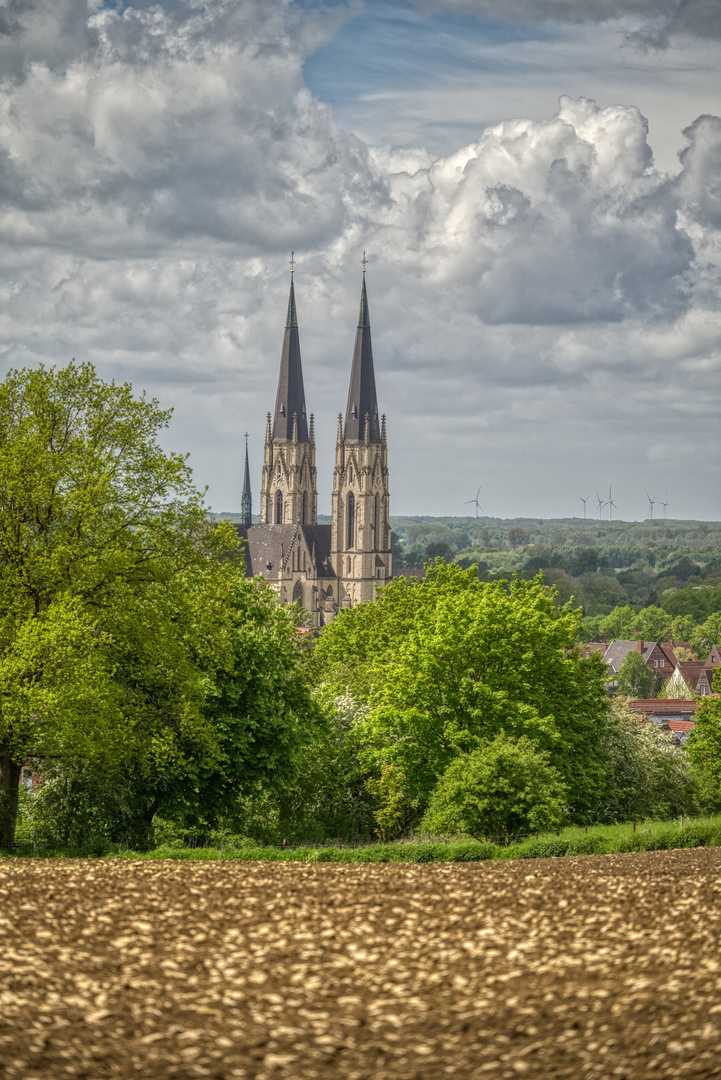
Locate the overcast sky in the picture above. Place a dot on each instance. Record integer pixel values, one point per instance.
(537, 184)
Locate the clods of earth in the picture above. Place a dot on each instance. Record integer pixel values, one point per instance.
(597, 967)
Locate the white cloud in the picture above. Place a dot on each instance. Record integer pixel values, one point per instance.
(542, 298)
(659, 19)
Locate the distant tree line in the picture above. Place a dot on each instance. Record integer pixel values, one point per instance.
(629, 581)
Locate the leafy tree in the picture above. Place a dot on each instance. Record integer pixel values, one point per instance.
(706, 635)
(635, 679)
(503, 788)
(600, 593)
(704, 748)
(397, 551)
(326, 798)
(439, 550)
(93, 516)
(448, 663)
(650, 774)
(129, 645)
(517, 536)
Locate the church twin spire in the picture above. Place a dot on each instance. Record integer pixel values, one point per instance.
(290, 398)
(362, 407)
(356, 555)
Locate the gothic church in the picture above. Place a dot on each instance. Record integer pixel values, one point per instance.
(325, 567)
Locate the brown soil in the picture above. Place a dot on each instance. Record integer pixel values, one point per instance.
(600, 967)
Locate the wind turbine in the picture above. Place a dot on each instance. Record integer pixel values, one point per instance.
(664, 505)
(610, 504)
(584, 501)
(650, 504)
(601, 504)
(475, 501)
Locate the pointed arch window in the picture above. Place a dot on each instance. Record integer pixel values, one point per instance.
(279, 507)
(298, 592)
(351, 520)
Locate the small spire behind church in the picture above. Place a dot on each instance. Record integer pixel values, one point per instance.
(246, 499)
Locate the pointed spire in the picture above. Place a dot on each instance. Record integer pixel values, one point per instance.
(246, 499)
(383, 429)
(364, 315)
(290, 398)
(291, 318)
(339, 434)
(362, 398)
(311, 429)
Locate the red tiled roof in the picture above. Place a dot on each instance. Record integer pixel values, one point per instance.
(690, 671)
(591, 647)
(664, 707)
(682, 725)
(669, 647)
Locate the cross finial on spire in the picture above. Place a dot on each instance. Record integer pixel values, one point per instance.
(292, 261)
(364, 261)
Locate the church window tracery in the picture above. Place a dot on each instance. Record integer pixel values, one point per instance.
(279, 507)
(351, 520)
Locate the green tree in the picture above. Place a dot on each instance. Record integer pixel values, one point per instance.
(254, 704)
(504, 788)
(259, 701)
(635, 679)
(706, 635)
(650, 775)
(704, 747)
(448, 663)
(397, 551)
(110, 591)
(439, 550)
(517, 536)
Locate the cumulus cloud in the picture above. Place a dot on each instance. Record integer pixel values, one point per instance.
(548, 222)
(158, 164)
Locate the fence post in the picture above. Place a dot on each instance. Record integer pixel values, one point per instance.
(634, 826)
(681, 820)
(35, 846)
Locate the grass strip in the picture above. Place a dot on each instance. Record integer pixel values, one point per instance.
(599, 840)
(657, 836)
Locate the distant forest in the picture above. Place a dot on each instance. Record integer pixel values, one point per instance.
(655, 580)
(650, 579)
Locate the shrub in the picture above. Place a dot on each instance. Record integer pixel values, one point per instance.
(506, 786)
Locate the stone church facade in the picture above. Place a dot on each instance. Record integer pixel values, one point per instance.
(323, 567)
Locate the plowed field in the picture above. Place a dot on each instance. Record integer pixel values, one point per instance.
(599, 967)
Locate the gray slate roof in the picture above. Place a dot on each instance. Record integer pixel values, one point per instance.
(268, 544)
(617, 652)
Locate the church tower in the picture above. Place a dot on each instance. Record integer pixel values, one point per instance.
(360, 534)
(246, 499)
(288, 490)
